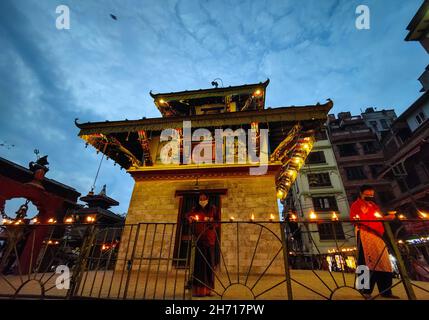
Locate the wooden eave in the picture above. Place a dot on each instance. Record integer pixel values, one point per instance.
(280, 114)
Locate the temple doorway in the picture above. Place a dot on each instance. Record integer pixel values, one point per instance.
(188, 200)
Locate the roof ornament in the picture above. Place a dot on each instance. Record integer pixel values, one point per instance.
(22, 211)
(39, 168)
(103, 191)
(216, 83)
(40, 164)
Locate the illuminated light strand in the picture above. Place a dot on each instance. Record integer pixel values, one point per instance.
(90, 219)
(291, 168)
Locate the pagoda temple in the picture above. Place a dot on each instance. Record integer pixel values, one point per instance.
(165, 192)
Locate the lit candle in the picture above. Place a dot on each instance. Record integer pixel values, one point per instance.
(197, 218)
(422, 214)
(313, 216)
(293, 217)
(271, 217)
(334, 216)
(51, 220)
(378, 215)
(252, 217)
(231, 219)
(356, 217)
(401, 217)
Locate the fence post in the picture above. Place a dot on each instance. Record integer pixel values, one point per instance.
(81, 262)
(133, 253)
(285, 244)
(401, 266)
(191, 267)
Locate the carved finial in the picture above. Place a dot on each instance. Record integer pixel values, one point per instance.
(103, 191)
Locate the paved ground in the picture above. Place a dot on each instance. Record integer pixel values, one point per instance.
(306, 285)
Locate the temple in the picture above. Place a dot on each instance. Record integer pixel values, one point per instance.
(279, 138)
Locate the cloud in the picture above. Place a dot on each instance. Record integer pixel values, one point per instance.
(103, 69)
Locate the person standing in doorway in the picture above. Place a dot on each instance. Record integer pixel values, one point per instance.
(203, 218)
(372, 249)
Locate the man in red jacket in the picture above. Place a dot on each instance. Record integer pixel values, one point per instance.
(371, 247)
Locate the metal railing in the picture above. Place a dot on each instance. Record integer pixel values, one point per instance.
(305, 259)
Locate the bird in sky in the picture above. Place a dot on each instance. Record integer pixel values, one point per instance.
(113, 17)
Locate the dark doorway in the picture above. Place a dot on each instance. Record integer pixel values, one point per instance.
(188, 199)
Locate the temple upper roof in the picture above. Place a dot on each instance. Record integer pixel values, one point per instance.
(212, 100)
(278, 114)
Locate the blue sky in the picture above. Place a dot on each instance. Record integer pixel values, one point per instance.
(103, 69)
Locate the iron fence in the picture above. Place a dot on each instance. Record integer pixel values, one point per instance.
(305, 259)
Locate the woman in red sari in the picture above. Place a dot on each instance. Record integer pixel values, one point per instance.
(372, 249)
(205, 217)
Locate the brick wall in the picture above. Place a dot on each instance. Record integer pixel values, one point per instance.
(155, 201)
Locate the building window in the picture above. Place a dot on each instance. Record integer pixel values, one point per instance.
(413, 178)
(399, 170)
(352, 197)
(374, 125)
(375, 170)
(325, 203)
(420, 118)
(355, 173)
(347, 150)
(331, 231)
(316, 157)
(384, 124)
(321, 135)
(316, 180)
(402, 185)
(385, 196)
(369, 147)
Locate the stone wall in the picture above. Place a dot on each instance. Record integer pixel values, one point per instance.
(154, 201)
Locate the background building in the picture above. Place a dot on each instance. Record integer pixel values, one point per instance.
(406, 145)
(319, 189)
(358, 151)
(379, 121)
(418, 28)
(406, 149)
